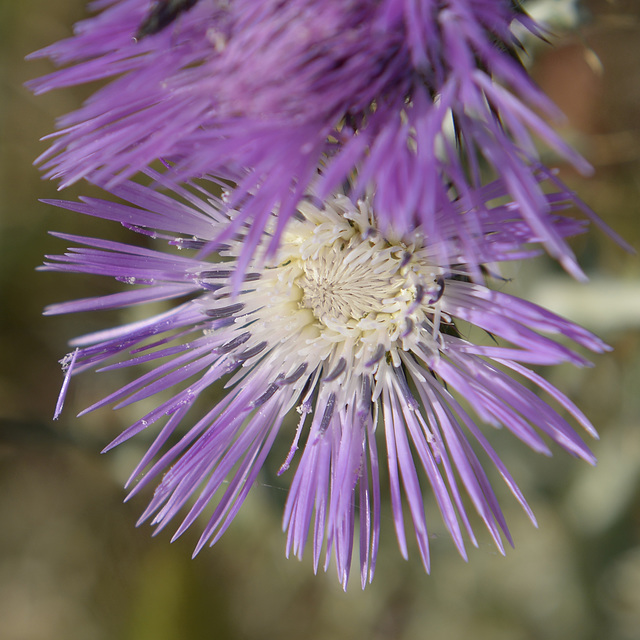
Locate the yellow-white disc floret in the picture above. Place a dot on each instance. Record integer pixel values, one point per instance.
(341, 294)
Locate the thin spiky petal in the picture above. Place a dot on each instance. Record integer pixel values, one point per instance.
(352, 326)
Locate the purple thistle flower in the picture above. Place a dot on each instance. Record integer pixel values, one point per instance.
(417, 97)
(357, 330)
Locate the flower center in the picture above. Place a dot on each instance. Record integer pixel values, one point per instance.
(340, 293)
(349, 281)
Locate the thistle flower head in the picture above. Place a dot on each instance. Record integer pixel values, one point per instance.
(353, 330)
(412, 98)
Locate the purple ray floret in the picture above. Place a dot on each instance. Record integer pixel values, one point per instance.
(415, 97)
(347, 344)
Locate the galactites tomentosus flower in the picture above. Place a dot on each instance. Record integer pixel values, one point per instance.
(414, 97)
(355, 329)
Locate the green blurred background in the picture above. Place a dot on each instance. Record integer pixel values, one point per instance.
(74, 567)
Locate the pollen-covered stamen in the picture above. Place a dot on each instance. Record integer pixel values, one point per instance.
(328, 413)
(249, 353)
(216, 274)
(377, 356)
(270, 390)
(224, 312)
(296, 375)
(233, 344)
(337, 371)
(439, 292)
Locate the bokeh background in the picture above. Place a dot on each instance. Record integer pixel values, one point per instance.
(74, 567)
